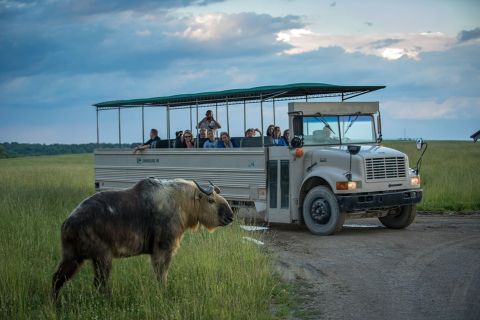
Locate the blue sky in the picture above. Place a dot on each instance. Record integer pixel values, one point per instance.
(57, 58)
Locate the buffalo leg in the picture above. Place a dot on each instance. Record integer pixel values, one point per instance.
(65, 271)
(160, 262)
(102, 267)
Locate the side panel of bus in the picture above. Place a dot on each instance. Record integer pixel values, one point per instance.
(240, 173)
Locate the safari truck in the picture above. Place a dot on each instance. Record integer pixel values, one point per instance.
(335, 166)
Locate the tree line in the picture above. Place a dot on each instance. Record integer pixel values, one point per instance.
(15, 149)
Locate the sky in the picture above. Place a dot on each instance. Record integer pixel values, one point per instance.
(57, 58)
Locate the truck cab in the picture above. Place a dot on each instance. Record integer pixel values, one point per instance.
(344, 171)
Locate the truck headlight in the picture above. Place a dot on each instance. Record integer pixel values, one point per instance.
(415, 180)
(346, 185)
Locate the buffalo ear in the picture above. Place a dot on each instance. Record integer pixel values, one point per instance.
(215, 188)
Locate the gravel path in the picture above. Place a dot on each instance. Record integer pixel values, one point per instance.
(430, 270)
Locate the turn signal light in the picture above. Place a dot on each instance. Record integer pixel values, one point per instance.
(415, 181)
(346, 185)
(299, 152)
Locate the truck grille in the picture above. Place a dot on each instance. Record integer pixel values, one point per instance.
(385, 168)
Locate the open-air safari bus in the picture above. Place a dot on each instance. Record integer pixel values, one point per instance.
(334, 168)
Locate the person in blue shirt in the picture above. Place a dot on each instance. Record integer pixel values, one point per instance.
(212, 141)
(277, 137)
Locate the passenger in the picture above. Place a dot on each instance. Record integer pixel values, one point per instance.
(178, 139)
(225, 141)
(209, 122)
(277, 137)
(254, 131)
(270, 130)
(286, 137)
(153, 142)
(203, 133)
(186, 140)
(249, 133)
(212, 141)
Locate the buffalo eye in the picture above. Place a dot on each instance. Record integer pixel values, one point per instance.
(211, 200)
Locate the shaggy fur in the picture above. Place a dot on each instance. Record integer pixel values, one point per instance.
(149, 218)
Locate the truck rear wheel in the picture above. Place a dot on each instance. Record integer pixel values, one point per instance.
(321, 213)
(400, 218)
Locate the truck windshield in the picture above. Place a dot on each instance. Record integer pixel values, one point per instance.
(331, 130)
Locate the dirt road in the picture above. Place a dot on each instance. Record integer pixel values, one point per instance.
(429, 271)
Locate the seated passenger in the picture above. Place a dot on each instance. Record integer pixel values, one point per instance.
(212, 141)
(186, 141)
(286, 137)
(153, 142)
(277, 137)
(203, 133)
(178, 139)
(250, 133)
(270, 130)
(225, 141)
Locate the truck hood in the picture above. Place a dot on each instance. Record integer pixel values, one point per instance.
(371, 150)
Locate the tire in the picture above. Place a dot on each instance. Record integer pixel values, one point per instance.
(400, 218)
(321, 213)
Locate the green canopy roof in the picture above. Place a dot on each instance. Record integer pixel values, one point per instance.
(234, 96)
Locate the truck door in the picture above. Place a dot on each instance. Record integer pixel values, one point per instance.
(278, 185)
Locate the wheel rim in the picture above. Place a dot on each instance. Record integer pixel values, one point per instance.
(320, 211)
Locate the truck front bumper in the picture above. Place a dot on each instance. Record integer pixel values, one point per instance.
(378, 200)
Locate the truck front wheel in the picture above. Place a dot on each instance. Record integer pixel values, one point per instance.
(321, 213)
(400, 218)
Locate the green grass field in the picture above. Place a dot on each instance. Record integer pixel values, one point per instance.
(213, 276)
(450, 174)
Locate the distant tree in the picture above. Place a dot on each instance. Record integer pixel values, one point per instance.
(3, 153)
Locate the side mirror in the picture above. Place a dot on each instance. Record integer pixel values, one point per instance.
(298, 126)
(420, 143)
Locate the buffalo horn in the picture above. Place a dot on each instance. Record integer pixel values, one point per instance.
(217, 189)
(208, 191)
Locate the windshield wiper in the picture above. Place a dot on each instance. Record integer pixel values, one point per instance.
(351, 123)
(324, 122)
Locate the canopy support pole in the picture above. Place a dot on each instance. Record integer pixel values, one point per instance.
(244, 117)
(190, 107)
(274, 122)
(228, 120)
(196, 126)
(143, 124)
(216, 114)
(98, 131)
(119, 131)
(261, 119)
(168, 125)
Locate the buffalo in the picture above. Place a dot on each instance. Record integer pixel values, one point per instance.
(149, 218)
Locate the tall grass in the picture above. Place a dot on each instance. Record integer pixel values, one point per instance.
(450, 174)
(213, 276)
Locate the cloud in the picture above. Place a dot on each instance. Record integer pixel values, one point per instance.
(368, 23)
(388, 46)
(221, 26)
(93, 7)
(467, 35)
(454, 108)
(333, 4)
